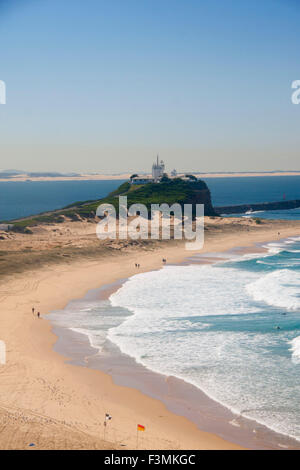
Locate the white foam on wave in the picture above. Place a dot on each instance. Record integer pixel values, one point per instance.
(253, 212)
(166, 333)
(213, 290)
(295, 343)
(167, 305)
(279, 289)
(290, 263)
(92, 319)
(96, 338)
(250, 256)
(274, 248)
(277, 247)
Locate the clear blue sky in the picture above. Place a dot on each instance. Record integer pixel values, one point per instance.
(105, 85)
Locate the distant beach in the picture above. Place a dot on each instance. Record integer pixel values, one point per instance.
(122, 176)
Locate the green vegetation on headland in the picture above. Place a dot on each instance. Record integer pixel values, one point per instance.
(169, 191)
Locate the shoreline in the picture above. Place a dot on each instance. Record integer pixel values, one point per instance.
(40, 389)
(126, 176)
(51, 392)
(178, 395)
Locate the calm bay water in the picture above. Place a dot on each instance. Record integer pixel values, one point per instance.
(21, 199)
(253, 189)
(231, 191)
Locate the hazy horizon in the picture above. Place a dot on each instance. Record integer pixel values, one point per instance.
(103, 87)
(16, 172)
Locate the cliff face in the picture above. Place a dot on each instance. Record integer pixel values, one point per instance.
(202, 196)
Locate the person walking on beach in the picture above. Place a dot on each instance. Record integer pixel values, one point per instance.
(38, 314)
(32, 310)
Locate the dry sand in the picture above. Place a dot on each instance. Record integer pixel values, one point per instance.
(55, 405)
(126, 176)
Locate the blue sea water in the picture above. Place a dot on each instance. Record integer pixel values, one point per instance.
(256, 189)
(289, 214)
(20, 199)
(253, 189)
(232, 329)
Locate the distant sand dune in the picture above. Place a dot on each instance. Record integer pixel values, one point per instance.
(125, 176)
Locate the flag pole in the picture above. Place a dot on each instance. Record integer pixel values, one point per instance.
(107, 418)
(137, 437)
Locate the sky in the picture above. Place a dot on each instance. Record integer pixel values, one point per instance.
(100, 85)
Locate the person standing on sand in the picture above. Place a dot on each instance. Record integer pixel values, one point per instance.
(32, 310)
(38, 314)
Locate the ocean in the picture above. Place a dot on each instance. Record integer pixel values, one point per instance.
(21, 199)
(232, 329)
(253, 189)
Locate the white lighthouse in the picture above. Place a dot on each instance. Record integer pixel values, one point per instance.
(158, 169)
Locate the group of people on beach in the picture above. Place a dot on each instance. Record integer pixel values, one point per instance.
(38, 313)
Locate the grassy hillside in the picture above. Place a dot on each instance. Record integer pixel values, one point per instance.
(169, 192)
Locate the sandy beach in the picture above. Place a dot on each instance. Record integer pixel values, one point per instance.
(55, 405)
(126, 176)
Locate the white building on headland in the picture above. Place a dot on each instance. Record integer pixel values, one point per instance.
(158, 170)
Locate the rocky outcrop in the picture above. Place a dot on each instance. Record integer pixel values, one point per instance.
(264, 206)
